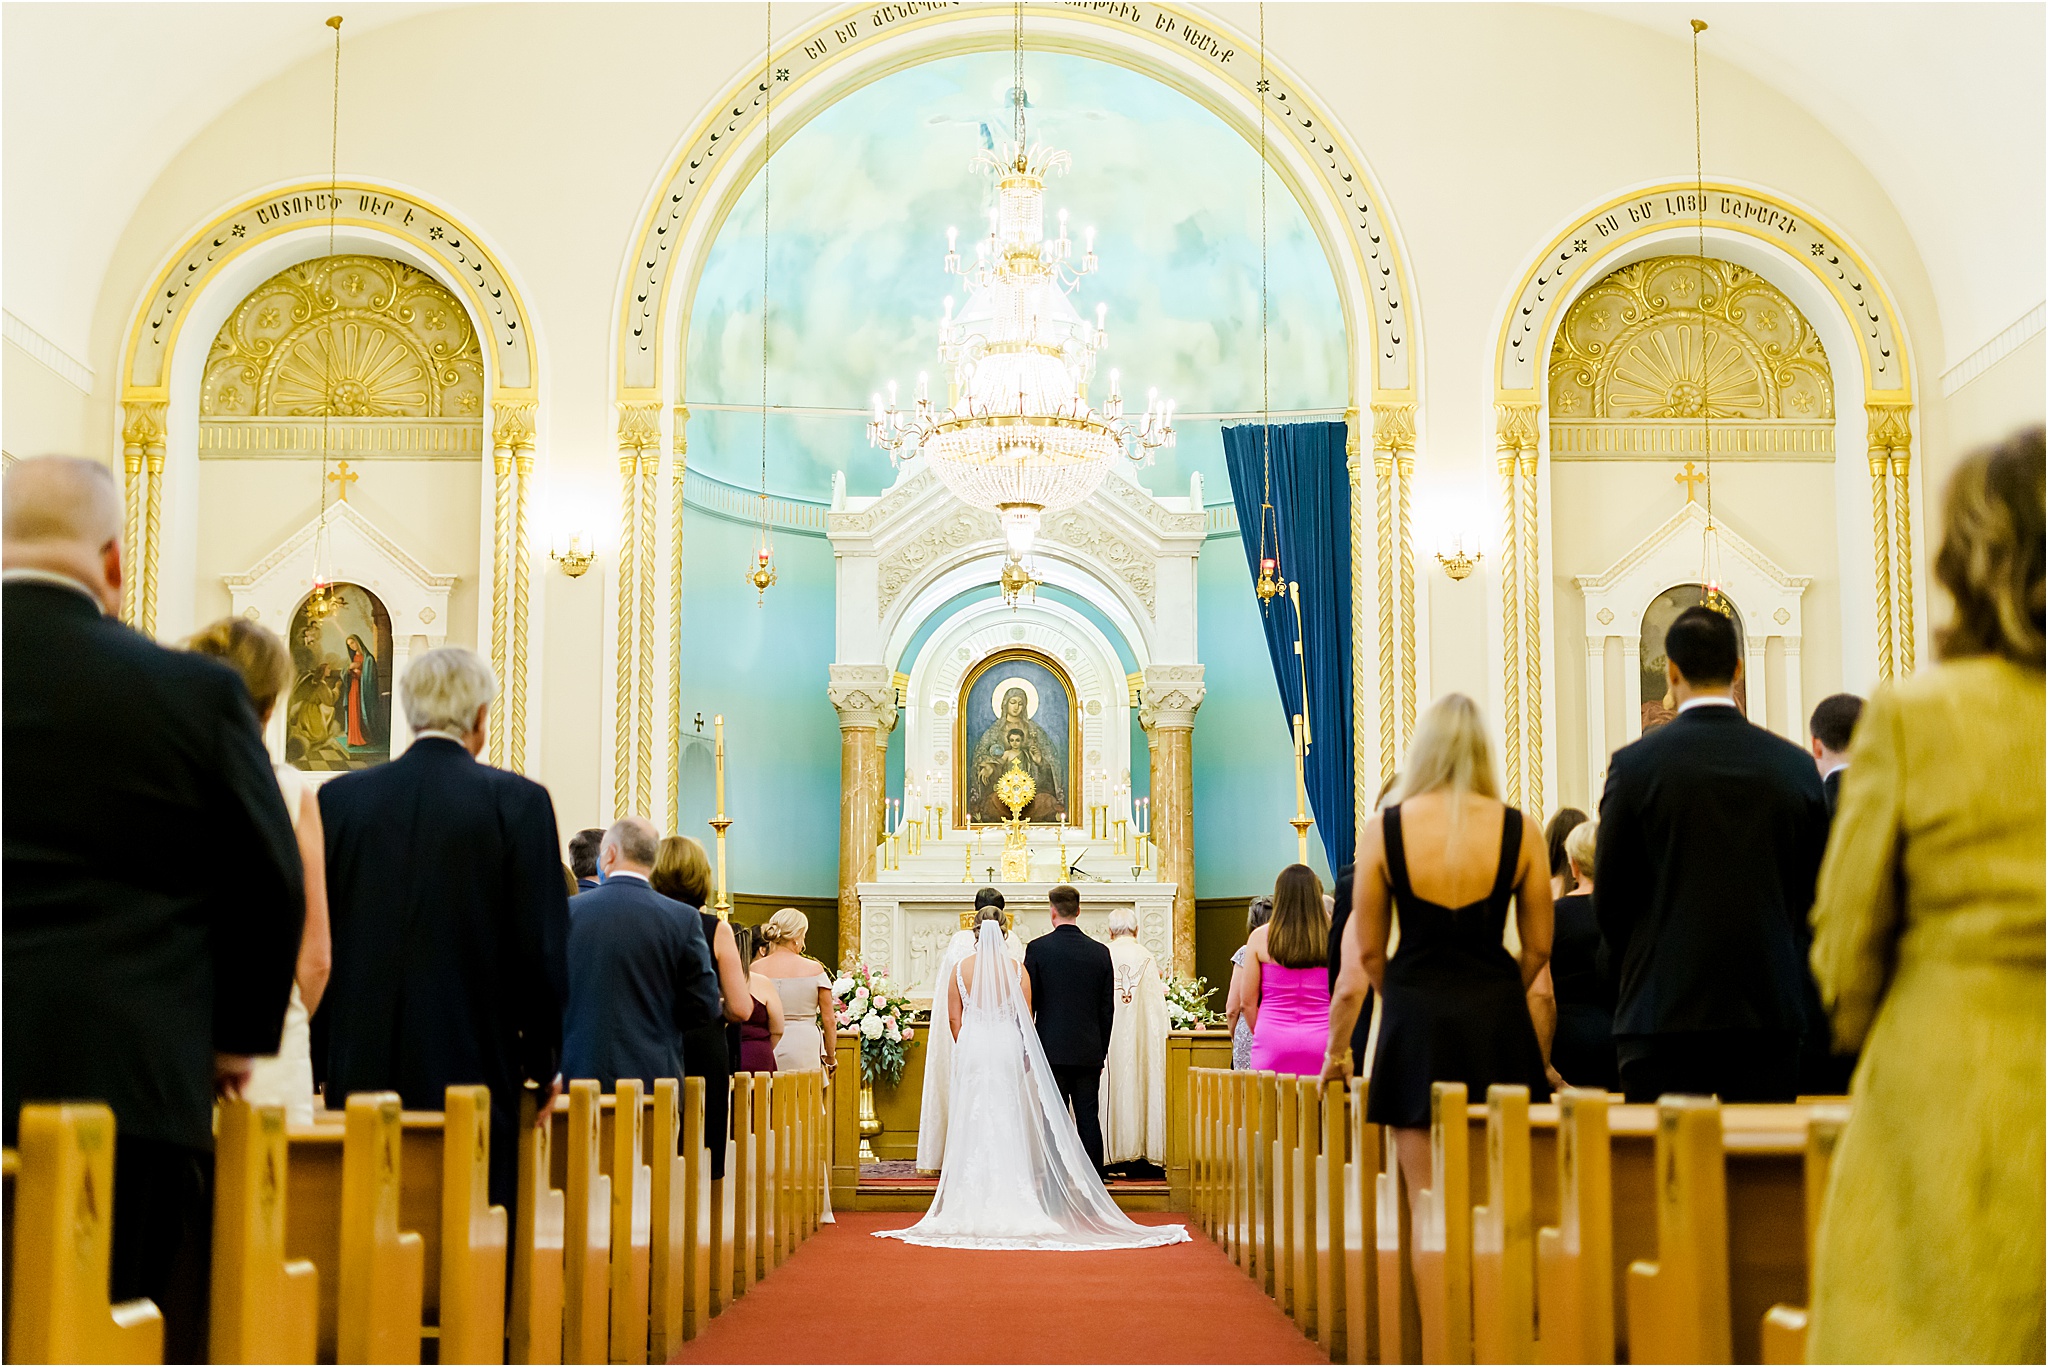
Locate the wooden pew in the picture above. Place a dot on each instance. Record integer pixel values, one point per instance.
(1784, 1327)
(1575, 1258)
(471, 1302)
(265, 1308)
(382, 1270)
(1361, 1301)
(632, 1194)
(1678, 1305)
(1306, 1115)
(723, 1214)
(1265, 1124)
(679, 1282)
(535, 1329)
(743, 1177)
(58, 1306)
(1283, 1164)
(1443, 1233)
(586, 1241)
(1332, 1136)
(1400, 1313)
(1503, 1246)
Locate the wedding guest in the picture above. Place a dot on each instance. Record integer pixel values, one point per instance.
(762, 1029)
(1712, 831)
(153, 892)
(583, 857)
(1134, 1075)
(1928, 934)
(1235, 1012)
(810, 1032)
(1445, 860)
(1287, 982)
(1342, 899)
(1562, 825)
(286, 1077)
(1833, 724)
(444, 891)
(682, 873)
(1582, 1051)
(641, 977)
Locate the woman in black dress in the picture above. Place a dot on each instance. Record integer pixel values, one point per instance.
(1457, 1006)
(1583, 1051)
(683, 872)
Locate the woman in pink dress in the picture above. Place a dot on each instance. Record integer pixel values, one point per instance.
(1286, 981)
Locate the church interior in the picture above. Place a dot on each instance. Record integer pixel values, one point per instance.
(1371, 353)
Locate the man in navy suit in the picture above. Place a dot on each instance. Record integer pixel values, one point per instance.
(1834, 723)
(640, 973)
(444, 887)
(1711, 835)
(583, 847)
(1073, 995)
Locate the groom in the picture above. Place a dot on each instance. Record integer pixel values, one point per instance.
(1072, 990)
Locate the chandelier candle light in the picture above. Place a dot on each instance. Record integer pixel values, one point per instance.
(1019, 435)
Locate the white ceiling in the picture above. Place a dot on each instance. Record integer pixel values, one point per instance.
(1943, 102)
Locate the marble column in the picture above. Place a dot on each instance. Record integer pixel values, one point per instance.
(1167, 712)
(865, 698)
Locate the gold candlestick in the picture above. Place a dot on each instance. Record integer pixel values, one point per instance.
(939, 831)
(1300, 820)
(720, 823)
(967, 848)
(1120, 825)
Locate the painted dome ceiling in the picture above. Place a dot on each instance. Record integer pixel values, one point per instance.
(861, 198)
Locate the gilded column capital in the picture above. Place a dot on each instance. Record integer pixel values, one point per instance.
(512, 425)
(1517, 425)
(1393, 426)
(144, 427)
(1891, 427)
(864, 696)
(1171, 696)
(639, 426)
(679, 442)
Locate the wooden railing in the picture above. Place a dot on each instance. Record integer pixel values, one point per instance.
(1548, 1234)
(356, 1238)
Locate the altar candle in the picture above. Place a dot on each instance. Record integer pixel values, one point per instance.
(718, 753)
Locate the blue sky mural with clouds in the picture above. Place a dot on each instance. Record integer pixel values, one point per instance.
(862, 197)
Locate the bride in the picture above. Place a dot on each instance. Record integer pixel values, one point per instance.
(1014, 1173)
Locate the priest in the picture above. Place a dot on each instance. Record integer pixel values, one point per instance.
(938, 1037)
(1134, 1078)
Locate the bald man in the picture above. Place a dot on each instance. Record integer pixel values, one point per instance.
(151, 898)
(640, 971)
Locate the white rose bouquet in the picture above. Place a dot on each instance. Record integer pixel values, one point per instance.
(1187, 1004)
(880, 1015)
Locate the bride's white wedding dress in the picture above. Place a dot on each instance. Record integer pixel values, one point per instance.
(1015, 1175)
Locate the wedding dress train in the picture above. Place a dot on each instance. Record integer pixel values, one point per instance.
(1015, 1175)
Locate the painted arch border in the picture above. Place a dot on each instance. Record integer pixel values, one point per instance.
(1575, 255)
(837, 53)
(365, 206)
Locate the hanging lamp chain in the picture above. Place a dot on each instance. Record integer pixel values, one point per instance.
(1017, 84)
(320, 588)
(1268, 585)
(761, 573)
(1699, 204)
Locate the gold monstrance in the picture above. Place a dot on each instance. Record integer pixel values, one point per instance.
(1015, 789)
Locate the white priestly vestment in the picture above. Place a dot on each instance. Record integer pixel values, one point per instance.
(1134, 1076)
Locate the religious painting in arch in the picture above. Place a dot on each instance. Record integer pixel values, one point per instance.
(338, 714)
(1659, 706)
(1016, 709)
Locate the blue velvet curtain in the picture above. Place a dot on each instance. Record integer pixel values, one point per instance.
(1311, 499)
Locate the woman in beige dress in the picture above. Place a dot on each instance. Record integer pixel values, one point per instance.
(287, 1078)
(809, 1010)
(1928, 949)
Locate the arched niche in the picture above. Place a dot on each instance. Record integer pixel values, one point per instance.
(1767, 602)
(348, 550)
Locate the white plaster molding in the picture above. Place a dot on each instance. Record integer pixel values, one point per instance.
(863, 695)
(1173, 693)
(2022, 331)
(67, 367)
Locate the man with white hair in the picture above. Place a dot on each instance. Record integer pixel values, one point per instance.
(640, 971)
(1134, 1075)
(152, 902)
(444, 887)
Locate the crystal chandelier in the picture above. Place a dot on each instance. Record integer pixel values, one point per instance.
(1019, 434)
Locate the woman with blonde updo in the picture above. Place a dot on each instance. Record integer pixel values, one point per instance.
(809, 1013)
(266, 669)
(1927, 949)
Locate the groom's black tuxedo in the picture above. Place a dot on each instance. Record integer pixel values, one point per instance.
(1073, 990)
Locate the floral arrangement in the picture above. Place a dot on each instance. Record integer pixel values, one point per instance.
(1187, 1004)
(873, 1009)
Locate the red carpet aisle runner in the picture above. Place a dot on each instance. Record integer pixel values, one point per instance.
(847, 1297)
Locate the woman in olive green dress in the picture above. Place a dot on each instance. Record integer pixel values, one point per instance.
(1928, 948)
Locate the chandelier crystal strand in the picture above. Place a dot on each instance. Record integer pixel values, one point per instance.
(1268, 585)
(761, 574)
(1019, 436)
(1710, 539)
(322, 603)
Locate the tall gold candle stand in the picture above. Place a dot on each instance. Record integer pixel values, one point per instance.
(720, 823)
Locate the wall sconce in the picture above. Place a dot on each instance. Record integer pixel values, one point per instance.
(575, 557)
(1458, 562)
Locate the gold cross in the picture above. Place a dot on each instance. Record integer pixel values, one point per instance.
(1688, 478)
(343, 477)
